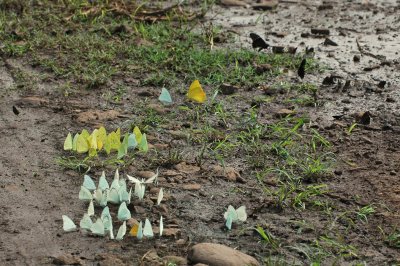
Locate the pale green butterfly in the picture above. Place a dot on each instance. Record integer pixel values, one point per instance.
(143, 145)
(161, 225)
(232, 215)
(132, 143)
(113, 196)
(123, 212)
(106, 218)
(165, 97)
(139, 190)
(89, 183)
(160, 196)
(111, 234)
(123, 148)
(74, 141)
(115, 184)
(68, 224)
(103, 184)
(123, 195)
(121, 232)
(68, 143)
(122, 184)
(101, 197)
(139, 234)
(86, 222)
(116, 175)
(98, 228)
(147, 230)
(147, 181)
(84, 194)
(90, 210)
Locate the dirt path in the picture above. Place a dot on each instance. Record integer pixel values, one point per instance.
(36, 191)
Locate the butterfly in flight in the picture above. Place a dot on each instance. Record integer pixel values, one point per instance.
(301, 70)
(258, 42)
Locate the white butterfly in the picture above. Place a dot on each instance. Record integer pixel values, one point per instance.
(86, 222)
(142, 181)
(147, 230)
(232, 215)
(121, 231)
(103, 184)
(160, 196)
(90, 210)
(161, 225)
(98, 228)
(68, 224)
(84, 194)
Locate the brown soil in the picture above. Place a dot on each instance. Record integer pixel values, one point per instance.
(36, 191)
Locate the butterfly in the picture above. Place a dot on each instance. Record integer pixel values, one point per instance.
(258, 42)
(143, 145)
(138, 134)
(134, 230)
(232, 215)
(106, 218)
(160, 196)
(98, 228)
(196, 92)
(123, 212)
(68, 143)
(121, 231)
(103, 184)
(74, 141)
(301, 70)
(68, 224)
(89, 183)
(139, 184)
(161, 225)
(84, 194)
(101, 197)
(82, 144)
(165, 97)
(90, 210)
(147, 230)
(123, 148)
(86, 222)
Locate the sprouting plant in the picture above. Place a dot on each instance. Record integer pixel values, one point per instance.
(267, 237)
(351, 128)
(364, 212)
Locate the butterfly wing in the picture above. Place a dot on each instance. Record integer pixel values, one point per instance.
(160, 196)
(258, 42)
(113, 196)
(147, 230)
(134, 229)
(132, 143)
(84, 194)
(89, 183)
(138, 134)
(301, 70)
(98, 228)
(196, 92)
(121, 232)
(68, 224)
(152, 179)
(241, 213)
(68, 143)
(133, 179)
(123, 212)
(82, 144)
(103, 184)
(165, 97)
(230, 213)
(86, 222)
(139, 234)
(228, 222)
(143, 145)
(90, 210)
(74, 141)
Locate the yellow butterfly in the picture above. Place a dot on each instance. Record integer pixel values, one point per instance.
(196, 92)
(101, 137)
(134, 230)
(82, 145)
(138, 134)
(68, 143)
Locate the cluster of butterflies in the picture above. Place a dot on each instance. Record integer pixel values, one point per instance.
(260, 43)
(232, 215)
(98, 140)
(116, 194)
(195, 93)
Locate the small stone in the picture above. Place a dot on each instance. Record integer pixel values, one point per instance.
(161, 146)
(187, 168)
(216, 254)
(171, 232)
(283, 113)
(145, 174)
(338, 172)
(175, 260)
(109, 259)
(356, 58)
(131, 222)
(194, 186)
(67, 259)
(320, 31)
(265, 5)
(390, 100)
(177, 134)
(180, 242)
(139, 209)
(330, 42)
(227, 89)
(158, 108)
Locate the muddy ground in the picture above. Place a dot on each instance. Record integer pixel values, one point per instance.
(36, 190)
